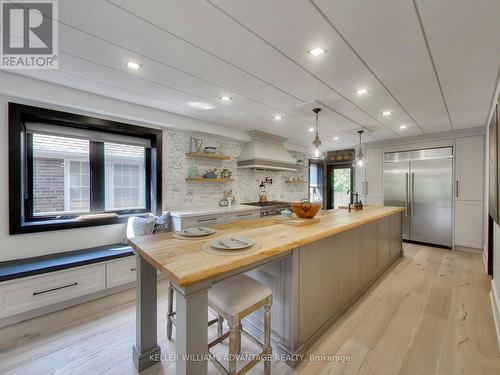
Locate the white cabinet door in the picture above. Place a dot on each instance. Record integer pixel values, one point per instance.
(120, 271)
(469, 168)
(374, 172)
(469, 224)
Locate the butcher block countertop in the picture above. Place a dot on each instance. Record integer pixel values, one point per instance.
(185, 263)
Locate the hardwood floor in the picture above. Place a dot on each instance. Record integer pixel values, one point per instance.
(429, 314)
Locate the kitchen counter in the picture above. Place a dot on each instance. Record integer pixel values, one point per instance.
(184, 262)
(316, 272)
(191, 212)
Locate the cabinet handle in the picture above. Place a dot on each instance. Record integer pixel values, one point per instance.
(53, 289)
(203, 220)
(413, 194)
(456, 188)
(407, 177)
(242, 215)
(133, 269)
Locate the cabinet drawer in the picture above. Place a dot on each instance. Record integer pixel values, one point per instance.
(121, 271)
(243, 215)
(30, 293)
(207, 220)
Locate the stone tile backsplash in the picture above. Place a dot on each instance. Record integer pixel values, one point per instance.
(179, 193)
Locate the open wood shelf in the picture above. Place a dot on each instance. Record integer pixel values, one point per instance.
(208, 156)
(202, 179)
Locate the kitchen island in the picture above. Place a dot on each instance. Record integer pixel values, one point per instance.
(315, 271)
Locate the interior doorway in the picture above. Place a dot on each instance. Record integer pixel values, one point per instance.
(340, 185)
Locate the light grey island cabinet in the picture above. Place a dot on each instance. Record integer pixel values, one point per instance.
(319, 281)
(316, 272)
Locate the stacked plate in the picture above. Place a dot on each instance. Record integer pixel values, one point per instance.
(231, 243)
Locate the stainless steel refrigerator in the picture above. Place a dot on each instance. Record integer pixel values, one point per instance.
(422, 182)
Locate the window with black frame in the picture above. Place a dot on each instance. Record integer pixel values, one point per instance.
(71, 170)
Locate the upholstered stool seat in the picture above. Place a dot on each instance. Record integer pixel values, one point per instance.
(233, 299)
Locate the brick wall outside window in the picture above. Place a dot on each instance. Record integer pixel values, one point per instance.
(48, 185)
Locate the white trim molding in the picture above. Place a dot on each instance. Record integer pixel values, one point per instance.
(495, 305)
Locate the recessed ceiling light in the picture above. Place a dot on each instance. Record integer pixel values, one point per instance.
(361, 91)
(133, 65)
(225, 98)
(278, 117)
(311, 129)
(200, 105)
(402, 126)
(316, 51)
(386, 113)
(335, 138)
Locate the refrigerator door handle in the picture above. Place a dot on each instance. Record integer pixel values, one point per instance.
(413, 194)
(407, 176)
(456, 188)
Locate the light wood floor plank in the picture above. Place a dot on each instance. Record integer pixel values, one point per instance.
(429, 314)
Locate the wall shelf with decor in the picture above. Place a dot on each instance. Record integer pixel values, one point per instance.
(296, 182)
(206, 155)
(202, 179)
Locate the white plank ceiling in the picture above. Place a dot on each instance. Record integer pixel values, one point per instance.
(433, 64)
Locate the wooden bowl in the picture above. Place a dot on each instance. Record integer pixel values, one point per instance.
(305, 209)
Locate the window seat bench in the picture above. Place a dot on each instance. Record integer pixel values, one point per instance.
(35, 286)
(15, 269)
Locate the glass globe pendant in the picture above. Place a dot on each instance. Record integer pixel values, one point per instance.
(360, 160)
(317, 152)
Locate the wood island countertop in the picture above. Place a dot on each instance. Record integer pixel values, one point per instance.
(185, 263)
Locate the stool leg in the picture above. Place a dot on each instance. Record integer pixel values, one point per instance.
(239, 339)
(233, 346)
(267, 339)
(170, 310)
(220, 322)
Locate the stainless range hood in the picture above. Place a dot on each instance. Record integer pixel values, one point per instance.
(266, 151)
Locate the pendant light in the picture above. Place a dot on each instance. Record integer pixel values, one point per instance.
(360, 160)
(317, 153)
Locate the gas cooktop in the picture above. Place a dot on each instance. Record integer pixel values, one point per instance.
(270, 207)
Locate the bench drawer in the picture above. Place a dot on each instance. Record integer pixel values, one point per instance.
(121, 271)
(25, 294)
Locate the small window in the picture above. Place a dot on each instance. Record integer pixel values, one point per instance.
(60, 175)
(125, 177)
(63, 165)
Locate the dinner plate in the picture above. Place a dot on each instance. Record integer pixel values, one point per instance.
(196, 232)
(231, 243)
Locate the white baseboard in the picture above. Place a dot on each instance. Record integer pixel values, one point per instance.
(495, 305)
(485, 261)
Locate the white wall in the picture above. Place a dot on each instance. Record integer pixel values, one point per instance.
(495, 283)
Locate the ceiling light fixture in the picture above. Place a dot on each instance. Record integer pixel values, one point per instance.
(360, 158)
(133, 65)
(361, 91)
(386, 113)
(316, 51)
(278, 117)
(200, 105)
(310, 129)
(317, 152)
(335, 138)
(225, 98)
(402, 127)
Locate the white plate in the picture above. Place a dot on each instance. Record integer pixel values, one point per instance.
(196, 232)
(232, 243)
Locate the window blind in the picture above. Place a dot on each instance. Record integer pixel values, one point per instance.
(91, 135)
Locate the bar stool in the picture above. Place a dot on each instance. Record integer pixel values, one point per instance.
(233, 299)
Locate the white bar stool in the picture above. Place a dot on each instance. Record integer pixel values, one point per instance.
(234, 299)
